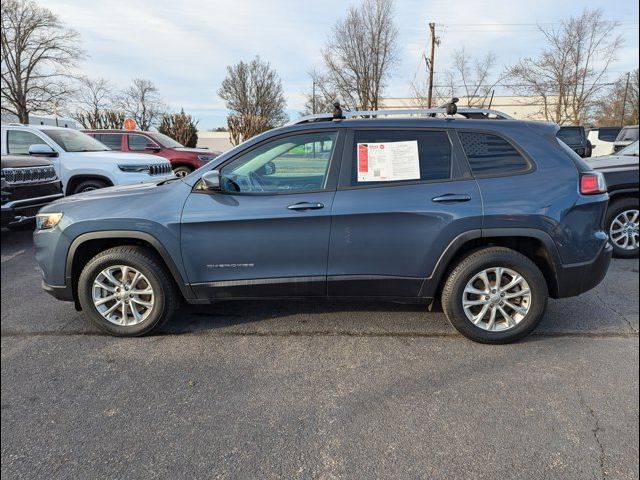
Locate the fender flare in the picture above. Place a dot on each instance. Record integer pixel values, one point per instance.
(153, 241)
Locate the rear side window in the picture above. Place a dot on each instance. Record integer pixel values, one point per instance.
(628, 134)
(400, 156)
(491, 155)
(111, 140)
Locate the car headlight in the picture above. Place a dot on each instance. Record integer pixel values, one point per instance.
(47, 221)
(206, 158)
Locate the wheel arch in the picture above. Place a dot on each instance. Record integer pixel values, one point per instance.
(87, 245)
(534, 244)
(75, 180)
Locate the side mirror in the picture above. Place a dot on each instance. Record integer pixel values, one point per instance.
(42, 150)
(211, 180)
(151, 146)
(269, 168)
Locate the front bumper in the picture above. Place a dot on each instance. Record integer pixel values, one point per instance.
(575, 279)
(20, 211)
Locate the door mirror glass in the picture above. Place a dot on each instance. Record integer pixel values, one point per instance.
(42, 150)
(269, 168)
(151, 146)
(211, 181)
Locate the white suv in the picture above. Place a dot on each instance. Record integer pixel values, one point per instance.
(81, 162)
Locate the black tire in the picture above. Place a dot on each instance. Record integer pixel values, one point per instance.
(473, 264)
(182, 171)
(147, 263)
(89, 185)
(616, 208)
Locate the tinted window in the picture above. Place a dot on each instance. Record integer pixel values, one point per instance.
(111, 140)
(18, 142)
(433, 150)
(570, 136)
(139, 142)
(608, 134)
(489, 154)
(296, 163)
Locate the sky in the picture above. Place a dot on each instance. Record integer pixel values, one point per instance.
(184, 46)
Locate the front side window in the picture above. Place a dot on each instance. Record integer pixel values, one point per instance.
(297, 163)
(491, 155)
(111, 140)
(383, 156)
(140, 142)
(628, 134)
(19, 141)
(75, 141)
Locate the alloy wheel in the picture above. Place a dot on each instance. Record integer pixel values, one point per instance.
(624, 230)
(123, 295)
(497, 299)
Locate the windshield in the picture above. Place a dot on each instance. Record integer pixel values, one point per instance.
(628, 134)
(570, 136)
(630, 150)
(75, 141)
(165, 141)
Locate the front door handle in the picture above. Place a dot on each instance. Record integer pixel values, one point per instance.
(306, 206)
(451, 198)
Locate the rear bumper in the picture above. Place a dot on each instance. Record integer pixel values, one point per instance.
(576, 279)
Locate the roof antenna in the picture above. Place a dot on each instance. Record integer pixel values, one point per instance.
(451, 106)
(337, 111)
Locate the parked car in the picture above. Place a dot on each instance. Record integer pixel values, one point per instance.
(28, 183)
(81, 162)
(626, 137)
(576, 138)
(492, 217)
(184, 160)
(602, 139)
(621, 173)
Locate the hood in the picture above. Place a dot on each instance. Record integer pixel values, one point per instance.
(612, 161)
(123, 157)
(197, 151)
(24, 161)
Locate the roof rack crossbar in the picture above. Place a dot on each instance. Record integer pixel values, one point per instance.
(400, 111)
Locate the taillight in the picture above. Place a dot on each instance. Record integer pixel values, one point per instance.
(592, 183)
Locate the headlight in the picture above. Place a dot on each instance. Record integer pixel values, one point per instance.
(134, 168)
(206, 158)
(47, 221)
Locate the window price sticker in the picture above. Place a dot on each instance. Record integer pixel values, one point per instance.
(388, 162)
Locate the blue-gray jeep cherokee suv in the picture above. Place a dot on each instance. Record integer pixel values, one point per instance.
(491, 216)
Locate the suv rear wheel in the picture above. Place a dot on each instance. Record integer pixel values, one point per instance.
(127, 291)
(495, 295)
(622, 226)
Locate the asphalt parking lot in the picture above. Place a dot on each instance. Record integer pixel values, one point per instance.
(317, 390)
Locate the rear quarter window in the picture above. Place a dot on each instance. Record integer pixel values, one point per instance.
(490, 154)
(608, 134)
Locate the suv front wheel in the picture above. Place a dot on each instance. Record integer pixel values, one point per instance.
(127, 291)
(495, 295)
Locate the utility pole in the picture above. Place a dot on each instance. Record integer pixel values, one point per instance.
(624, 100)
(313, 97)
(432, 28)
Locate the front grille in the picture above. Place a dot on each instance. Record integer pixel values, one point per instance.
(20, 175)
(160, 169)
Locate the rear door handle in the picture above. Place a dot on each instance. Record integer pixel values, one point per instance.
(451, 198)
(306, 206)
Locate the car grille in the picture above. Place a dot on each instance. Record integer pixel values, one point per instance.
(160, 169)
(19, 176)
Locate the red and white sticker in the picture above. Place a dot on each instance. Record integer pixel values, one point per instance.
(388, 162)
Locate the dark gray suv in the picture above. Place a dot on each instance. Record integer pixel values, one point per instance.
(490, 216)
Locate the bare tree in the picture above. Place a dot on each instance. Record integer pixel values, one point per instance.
(614, 107)
(360, 53)
(101, 119)
(181, 127)
(38, 52)
(572, 67)
(142, 102)
(471, 79)
(253, 95)
(321, 97)
(93, 96)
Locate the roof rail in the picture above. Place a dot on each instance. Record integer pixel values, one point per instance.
(465, 112)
